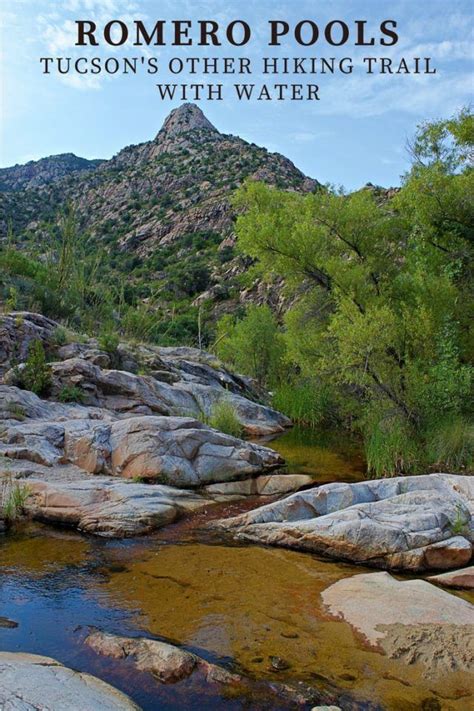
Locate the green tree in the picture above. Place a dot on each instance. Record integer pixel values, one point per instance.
(380, 291)
(253, 344)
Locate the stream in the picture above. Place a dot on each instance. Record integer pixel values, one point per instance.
(235, 605)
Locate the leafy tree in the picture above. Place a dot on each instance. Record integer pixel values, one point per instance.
(381, 292)
(253, 344)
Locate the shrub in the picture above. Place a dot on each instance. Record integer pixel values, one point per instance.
(35, 375)
(71, 393)
(391, 447)
(304, 401)
(254, 344)
(224, 417)
(60, 336)
(451, 445)
(108, 341)
(13, 498)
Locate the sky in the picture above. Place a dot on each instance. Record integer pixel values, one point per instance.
(357, 132)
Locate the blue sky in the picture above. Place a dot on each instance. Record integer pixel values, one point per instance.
(356, 133)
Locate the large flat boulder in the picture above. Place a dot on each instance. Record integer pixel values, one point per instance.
(29, 682)
(108, 507)
(263, 485)
(405, 523)
(183, 452)
(411, 621)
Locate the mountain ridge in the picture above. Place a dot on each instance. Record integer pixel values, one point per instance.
(161, 210)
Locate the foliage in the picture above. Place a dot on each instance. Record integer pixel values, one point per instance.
(253, 344)
(381, 295)
(35, 375)
(225, 419)
(71, 393)
(108, 341)
(60, 336)
(451, 445)
(305, 401)
(13, 498)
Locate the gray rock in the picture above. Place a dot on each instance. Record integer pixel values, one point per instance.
(183, 452)
(166, 662)
(264, 485)
(29, 682)
(413, 523)
(411, 621)
(17, 330)
(107, 507)
(169, 664)
(123, 392)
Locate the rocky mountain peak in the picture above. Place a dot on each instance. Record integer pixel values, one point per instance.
(185, 118)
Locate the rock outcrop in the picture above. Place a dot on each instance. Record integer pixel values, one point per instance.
(37, 173)
(406, 523)
(411, 621)
(52, 449)
(179, 451)
(29, 682)
(179, 381)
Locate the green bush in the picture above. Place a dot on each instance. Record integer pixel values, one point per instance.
(304, 401)
(254, 344)
(71, 393)
(391, 448)
(451, 445)
(13, 499)
(36, 374)
(60, 336)
(109, 341)
(224, 418)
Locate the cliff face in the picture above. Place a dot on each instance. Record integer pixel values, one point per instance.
(159, 207)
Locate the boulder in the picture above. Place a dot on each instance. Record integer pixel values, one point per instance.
(29, 682)
(263, 485)
(183, 452)
(166, 662)
(411, 621)
(108, 507)
(169, 663)
(17, 330)
(462, 579)
(405, 523)
(18, 405)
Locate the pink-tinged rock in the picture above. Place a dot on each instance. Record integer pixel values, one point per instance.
(411, 621)
(459, 579)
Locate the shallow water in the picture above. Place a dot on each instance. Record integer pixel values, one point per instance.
(323, 455)
(234, 605)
